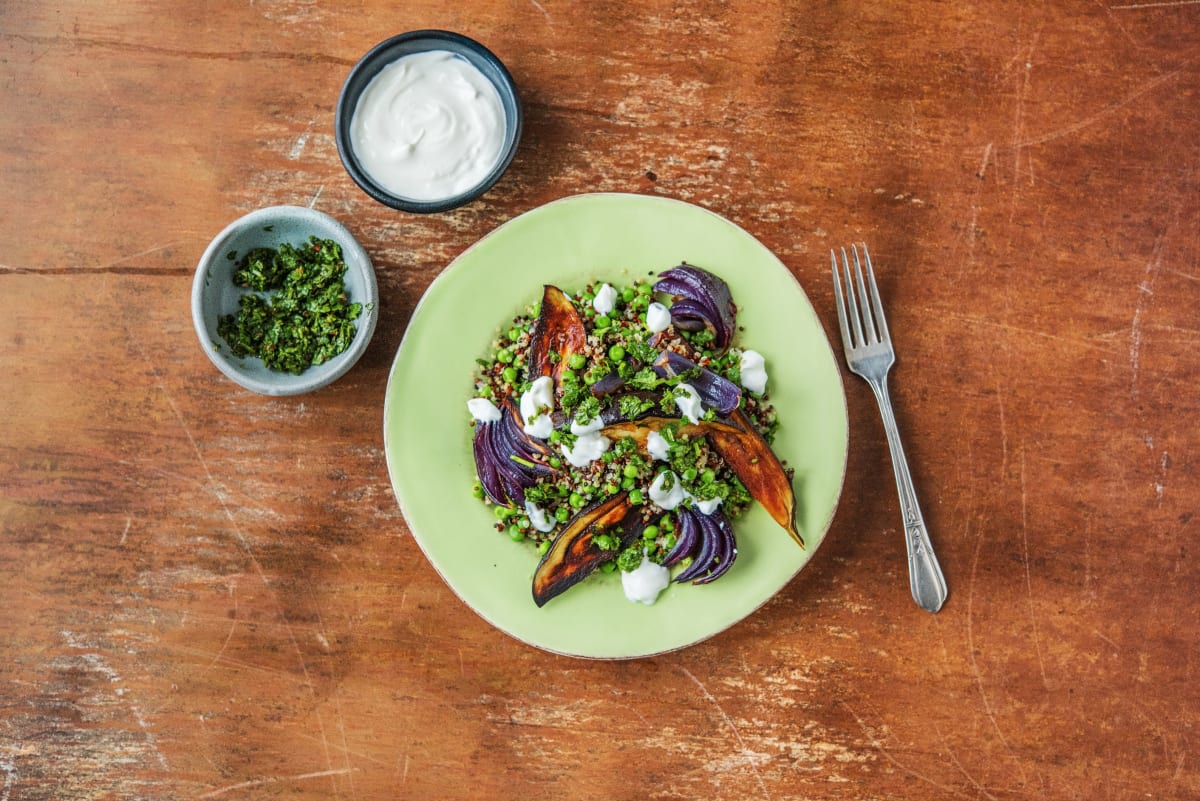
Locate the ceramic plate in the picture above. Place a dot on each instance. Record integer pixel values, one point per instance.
(427, 436)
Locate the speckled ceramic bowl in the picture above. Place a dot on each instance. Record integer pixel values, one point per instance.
(406, 44)
(215, 295)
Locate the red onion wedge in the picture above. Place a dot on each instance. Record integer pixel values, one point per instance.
(702, 301)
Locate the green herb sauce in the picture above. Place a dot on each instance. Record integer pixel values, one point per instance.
(298, 314)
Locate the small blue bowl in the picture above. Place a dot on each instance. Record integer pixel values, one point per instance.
(214, 295)
(405, 44)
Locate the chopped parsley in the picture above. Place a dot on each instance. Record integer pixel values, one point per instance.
(297, 314)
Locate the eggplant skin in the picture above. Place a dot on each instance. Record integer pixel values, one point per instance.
(572, 557)
(558, 330)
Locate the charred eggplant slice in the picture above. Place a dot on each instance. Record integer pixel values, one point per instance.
(557, 335)
(757, 467)
(574, 553)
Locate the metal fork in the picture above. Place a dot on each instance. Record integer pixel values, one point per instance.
(870, 354)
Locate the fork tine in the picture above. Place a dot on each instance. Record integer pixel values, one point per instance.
(864, 299)
(852, 305)
(876, 300)
(847, 340)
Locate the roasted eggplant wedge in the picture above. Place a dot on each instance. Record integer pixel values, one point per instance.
(757, 467)
(557, 335)
(574, 555)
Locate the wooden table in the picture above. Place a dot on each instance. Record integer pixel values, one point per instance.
(213, 594)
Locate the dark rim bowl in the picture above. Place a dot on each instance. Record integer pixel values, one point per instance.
(214, 295)
(405, 44)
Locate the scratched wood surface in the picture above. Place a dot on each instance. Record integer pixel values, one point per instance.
(210, 594)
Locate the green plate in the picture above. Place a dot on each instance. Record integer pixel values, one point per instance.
(427, 436)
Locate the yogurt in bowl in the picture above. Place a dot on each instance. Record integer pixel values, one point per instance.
(428, 121)
(429, 126)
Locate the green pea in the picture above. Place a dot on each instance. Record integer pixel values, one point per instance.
(630, 471)
(635, 497)
(669, 541)
(543, 546)
(628, 483)
(616, 353)
(477, 490)
(504, 356)
(650, 533)
(603, 322)
(510, 374)
(515, 534)
(628, 294)
(562, 514)
(609, 566)
(577, 361)
(668, 524)
(690, 474)
(577, 500)
(708, 476)
(644, 289)
(514, 334)
(503, 512)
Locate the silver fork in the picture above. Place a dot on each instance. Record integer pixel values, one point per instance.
(870, 354)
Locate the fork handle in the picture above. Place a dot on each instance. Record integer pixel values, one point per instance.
(925, 577)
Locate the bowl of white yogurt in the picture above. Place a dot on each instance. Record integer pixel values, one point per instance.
(428, 121)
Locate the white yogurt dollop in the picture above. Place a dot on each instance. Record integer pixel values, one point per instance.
(656, 446)
(645, 583)
(538, 517)
(689, 402)
(605, 300)
(589, 445)
(483, 410)
(536, 405)
(667, 498)
(658, 317)
(754, 372)
(428, 127)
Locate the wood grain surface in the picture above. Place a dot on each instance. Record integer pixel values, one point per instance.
(212, 594)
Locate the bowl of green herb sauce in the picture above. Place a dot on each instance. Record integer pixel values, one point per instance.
(284, 300)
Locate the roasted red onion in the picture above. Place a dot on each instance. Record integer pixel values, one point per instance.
(708, 539)
(702, 301)
(715, 392)
(507, 460)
